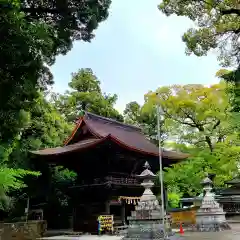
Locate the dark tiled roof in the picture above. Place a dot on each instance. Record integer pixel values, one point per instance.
(125, 135)
(230, 191)
(233, 181)
(69, 148)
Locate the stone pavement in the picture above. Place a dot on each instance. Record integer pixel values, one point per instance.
(212, 236)
(85, 237)
(233, 234)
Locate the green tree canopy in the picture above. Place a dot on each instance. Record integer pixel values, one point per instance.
(233, 79)
(200, 122)
(146, 118)
(68, 20)
(184, 178)
(218, 26)
(44, 127)
(11, 179)
(86, 95)
(33, 34)
(199, 113)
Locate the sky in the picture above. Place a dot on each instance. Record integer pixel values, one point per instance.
(135, 50)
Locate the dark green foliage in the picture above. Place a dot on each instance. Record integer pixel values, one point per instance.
(217, 26)
(86, 95)
(46, 128)
(21, 69)
(233, 77)
(68, 19)
(33, 33)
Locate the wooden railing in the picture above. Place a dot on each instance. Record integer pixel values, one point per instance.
(231, 207)
(112, 180)
(121, 180)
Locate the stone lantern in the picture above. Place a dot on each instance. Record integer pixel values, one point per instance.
(146, 221)
(210, 217)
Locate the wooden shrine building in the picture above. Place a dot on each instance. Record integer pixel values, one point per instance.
(229, 198)
(106, 155)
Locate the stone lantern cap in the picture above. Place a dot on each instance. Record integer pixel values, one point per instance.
(206, 181)
(147, 173)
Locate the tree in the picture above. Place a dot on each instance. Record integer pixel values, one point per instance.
(132, 113)
(146, 118)
(59, 200)
(24, 47)
(86, 95)
(11, 179)
(184, 178)
(233, 79)
(69, 20)
(200, 121)
(198, 112)
(33, 33)
(218, 26)
(45, 128)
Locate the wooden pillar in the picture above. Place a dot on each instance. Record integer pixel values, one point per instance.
(123, 210)
(165, 197)
(107, 207)
(72, 218)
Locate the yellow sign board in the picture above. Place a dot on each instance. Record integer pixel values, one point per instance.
(105, 223)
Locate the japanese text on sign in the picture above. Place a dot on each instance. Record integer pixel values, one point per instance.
(105, 223)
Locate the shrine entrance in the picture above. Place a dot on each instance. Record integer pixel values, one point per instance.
(116, 209)
(128, 205)
(128, 209)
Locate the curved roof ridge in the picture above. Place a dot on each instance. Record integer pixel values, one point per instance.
(89, 115)
(77, 125)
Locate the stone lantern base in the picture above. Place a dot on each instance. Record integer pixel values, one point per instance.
(212, 227)
(149, 230)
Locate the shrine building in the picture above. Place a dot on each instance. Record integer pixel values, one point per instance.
(106, 155)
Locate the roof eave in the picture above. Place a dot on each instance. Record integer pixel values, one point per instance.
(113, 139)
